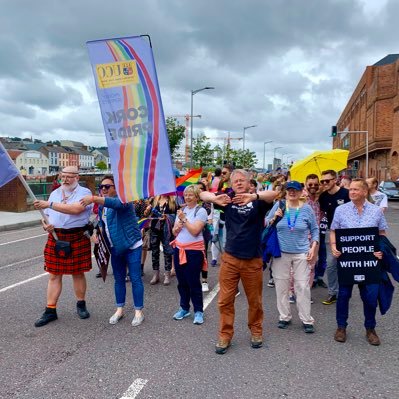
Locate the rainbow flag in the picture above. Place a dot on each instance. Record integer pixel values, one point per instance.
(144, 223)
(191, 177)
(132, 115)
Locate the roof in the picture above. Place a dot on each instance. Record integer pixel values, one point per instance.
(389, 59)
(102, 151)
(34, 146)
(14, 153)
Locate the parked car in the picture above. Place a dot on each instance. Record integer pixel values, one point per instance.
(390, 188)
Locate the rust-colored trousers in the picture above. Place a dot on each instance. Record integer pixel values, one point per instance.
(250, 272)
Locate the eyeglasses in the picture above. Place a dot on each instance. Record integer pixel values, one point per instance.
(326, 181)
(106, 186)
(313, 185)
(224, 173)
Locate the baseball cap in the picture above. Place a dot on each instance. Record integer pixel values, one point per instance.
(294, 184)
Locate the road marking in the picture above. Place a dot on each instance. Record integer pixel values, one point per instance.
(22, 282)
(209, 298)
(23, 239)
(22, 261)
(134, 389)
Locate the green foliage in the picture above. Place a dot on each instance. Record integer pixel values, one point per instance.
(102, 165)
(202, 151)
(176, 134)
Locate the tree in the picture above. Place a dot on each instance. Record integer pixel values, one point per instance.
(245, 158)
(176, 134)
(202, 151)
(101, 165)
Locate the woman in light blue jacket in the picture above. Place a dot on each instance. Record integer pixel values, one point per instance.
(120, 229)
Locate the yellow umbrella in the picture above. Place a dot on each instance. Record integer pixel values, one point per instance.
(318, 162)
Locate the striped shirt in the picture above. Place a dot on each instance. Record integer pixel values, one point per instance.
(296, 240)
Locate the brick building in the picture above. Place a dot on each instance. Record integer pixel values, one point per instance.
(373, 107)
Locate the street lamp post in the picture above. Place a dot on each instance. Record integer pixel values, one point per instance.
(274, 156)
(264, 153)
(366, 132)
(243, 135)
(193, 92)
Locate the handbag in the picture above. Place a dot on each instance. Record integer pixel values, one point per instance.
(270, 244)
(63, 249)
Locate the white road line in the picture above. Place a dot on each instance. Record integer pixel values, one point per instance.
(22, 261)
(23, 239)
(22, 282)
(209, 298)
(134, 389)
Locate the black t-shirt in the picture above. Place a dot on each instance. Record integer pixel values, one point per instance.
(244, 226)
(330, 202)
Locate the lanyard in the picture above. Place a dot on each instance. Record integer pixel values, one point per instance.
(291, 226)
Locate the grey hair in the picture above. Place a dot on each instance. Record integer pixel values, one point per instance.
(241, 172)
(194, 189)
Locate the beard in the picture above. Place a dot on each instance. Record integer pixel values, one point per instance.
(70, 187)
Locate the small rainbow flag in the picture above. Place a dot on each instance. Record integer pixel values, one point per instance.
(144, 223)
(192, 177)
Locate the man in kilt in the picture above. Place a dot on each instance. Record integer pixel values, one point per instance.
(68, 219)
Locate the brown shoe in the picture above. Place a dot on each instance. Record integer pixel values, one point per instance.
(222, 346)
(155, 278)
(166, 280)
(256, 341)
(372, 337)
(340, 334)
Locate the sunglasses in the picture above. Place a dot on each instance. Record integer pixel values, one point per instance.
(106, 186)
(326, 181)
(313, 185)
(224, 173)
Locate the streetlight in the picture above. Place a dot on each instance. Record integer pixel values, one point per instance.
(274, 156)
(264, 150)
(243, 135)
(191, 120)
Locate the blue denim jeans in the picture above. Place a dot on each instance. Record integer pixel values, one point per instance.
(131, 259)
(369, 295)
(189, 279)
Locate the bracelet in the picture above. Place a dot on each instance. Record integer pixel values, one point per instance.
(257, 196)
(51, 205)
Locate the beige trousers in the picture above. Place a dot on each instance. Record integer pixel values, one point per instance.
(281, 274)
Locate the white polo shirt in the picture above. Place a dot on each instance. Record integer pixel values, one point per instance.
(62, 220)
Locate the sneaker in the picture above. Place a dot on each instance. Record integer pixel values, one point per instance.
(340, 334)
(205, 287)
(308, 328)
(330, 300)
(115, 318)
(283, 324)
(222, 346)
(214, 262)
(271, 283)
(48, 316)
(198, 318)
(256, 342)
(181, 314)
(138, 320)
(372, 337)
(321, 283)
(292, 299)
(311, 300)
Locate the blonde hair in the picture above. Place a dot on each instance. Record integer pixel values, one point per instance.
(171, 200)
(193, 188)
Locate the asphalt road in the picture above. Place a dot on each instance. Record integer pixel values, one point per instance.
(163, 358)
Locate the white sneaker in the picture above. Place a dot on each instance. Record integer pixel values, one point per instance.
(138, 320)
(205, 287)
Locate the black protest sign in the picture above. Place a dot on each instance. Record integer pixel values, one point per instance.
(102, 254)
(357, 264)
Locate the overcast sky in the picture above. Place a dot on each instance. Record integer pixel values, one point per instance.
(288, 67)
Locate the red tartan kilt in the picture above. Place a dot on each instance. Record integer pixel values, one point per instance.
(78, 262)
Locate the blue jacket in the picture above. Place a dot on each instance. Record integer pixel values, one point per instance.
(122, 224)
(390, 264)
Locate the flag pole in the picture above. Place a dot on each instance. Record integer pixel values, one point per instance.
(27, 188)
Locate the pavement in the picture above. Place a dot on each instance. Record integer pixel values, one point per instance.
(19, 220)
